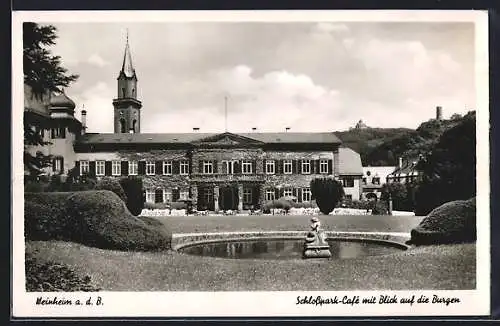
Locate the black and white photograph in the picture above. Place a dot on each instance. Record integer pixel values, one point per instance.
(250, 164)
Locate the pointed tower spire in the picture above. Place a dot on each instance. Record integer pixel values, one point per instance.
(127, 67)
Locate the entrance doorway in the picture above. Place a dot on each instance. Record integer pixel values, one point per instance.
(228, 199)
(159, 195)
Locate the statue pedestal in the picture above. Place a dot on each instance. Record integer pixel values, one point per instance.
(316, 246)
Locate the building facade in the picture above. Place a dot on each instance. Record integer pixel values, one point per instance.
(374, 177)
(217, 171)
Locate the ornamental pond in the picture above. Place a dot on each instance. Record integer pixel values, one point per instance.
(287, 249)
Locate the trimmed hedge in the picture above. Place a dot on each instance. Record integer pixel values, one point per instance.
(452, 222)
(112, 185)
(93, 218)
(45, 216)
(133, 188)
(49, 276)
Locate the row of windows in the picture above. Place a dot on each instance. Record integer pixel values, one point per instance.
(165, 195)
(208, 167)
(270, 166)
(133, 167)
(375, 180)
(302, 194)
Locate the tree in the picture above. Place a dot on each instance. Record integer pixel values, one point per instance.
(327, 192)
(132, 186)
(44, 74)
(449, 172)
(401, 195)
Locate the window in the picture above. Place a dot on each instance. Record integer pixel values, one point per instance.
(150, 167)
(84, 167)
(247, 196)
(269, 194)
(323, 166)
(167, 196)
(348, 197)
(122, 126)
(208, 167)
(375, 180)
(132, 168)
(228, 167)
(306, 194)
(184, 167)
(364, 180)
(348, 182)
(183, 195)
(150, 196)
(306, 166)
(116, 168)
(58, 162)
(58, 133)
(270, 167)
(167, 167)
(287, 167)
(287, 192)
(99, 168)
(246, 167)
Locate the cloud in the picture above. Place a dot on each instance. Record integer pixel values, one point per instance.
(330, 28)
(97, 60)
(97, 100)
(322, 76)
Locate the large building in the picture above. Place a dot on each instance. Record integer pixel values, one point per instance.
(216, 170)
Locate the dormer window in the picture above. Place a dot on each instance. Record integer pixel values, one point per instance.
(58, 133)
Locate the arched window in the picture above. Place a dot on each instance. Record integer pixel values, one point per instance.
(133, 92)
(122, 126)
(123, 91)
(134, 123)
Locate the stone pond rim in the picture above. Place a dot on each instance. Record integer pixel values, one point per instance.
(393, 239)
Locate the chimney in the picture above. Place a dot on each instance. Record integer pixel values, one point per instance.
(84, 120)
(195, 129)
(287, 129)
(439, 113)
(400, 162)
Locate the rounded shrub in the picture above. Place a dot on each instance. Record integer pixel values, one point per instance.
(100, 219)
(452, 222)
(44, 276)
(112, 185)
(45, 216)
(132, 186)
(178, 205)
(327, 192)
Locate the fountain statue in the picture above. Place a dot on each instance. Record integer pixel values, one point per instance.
(316, 245)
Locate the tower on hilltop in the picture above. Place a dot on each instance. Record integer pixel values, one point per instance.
(127, 107)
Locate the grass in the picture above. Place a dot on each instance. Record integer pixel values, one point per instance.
(444, 267)
(188, 224)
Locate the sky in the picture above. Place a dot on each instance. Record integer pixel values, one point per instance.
(308, 76)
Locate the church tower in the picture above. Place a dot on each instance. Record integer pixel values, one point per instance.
(127, 107)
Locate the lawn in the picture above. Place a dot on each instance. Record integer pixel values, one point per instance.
(443, 267)
(188, 224)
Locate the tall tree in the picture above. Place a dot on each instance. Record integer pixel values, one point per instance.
(44, 74)
(327, 192)
(449, 172)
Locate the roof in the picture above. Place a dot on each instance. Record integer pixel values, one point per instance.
(408, 167)
(35, 104)
(127, 67)
(182, 138)
(349, 162)
(62, 101)
(380, 171)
